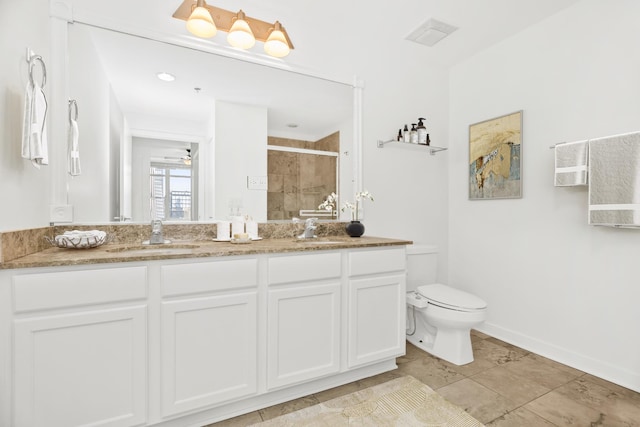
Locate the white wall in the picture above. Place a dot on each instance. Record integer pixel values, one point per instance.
(554, 284)
(117, 144)
(89, 86)
(409, 185)
(25, 190)
(242, 126)
(126, 179)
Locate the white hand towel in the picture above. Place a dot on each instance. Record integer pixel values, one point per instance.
(26, 122)
(614, 180)
(74, 153)
(571, 163)
(34, 127)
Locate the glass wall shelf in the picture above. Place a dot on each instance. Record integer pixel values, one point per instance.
(432, 149)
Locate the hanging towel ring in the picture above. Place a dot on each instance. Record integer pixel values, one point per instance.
(32, 61)
(73, 105)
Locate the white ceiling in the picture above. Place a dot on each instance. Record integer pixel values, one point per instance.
(130, 62)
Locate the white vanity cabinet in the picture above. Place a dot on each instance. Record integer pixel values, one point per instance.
(208, 333)
(377, 287)
(79, 355)
(304, 301)
(192, 341)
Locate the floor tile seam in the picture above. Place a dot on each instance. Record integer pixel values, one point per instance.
(507, 397)
(522, 407)
(499, 394)
(565, 396)
(446, 385)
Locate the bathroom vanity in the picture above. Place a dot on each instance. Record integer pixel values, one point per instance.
(187, 338)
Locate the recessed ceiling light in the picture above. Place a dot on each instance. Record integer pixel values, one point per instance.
(292, 125)
(166, 77)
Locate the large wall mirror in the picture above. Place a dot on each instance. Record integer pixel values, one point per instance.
(224, 137)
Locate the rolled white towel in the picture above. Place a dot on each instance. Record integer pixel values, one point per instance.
(34, 126)
(74, 153)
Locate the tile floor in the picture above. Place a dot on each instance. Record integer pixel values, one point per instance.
(505, 386)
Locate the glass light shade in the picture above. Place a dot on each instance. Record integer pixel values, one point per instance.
(240, 35)
(276, 45)
(200, 23)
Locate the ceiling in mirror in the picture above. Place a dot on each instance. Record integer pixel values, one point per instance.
(133, 63)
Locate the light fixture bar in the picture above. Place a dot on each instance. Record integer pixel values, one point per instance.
(224, 20)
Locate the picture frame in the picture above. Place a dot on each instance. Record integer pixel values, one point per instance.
(495, 158)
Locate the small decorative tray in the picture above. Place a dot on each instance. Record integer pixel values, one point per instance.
(79, 239)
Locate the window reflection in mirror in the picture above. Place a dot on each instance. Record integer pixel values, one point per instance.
(170, 191)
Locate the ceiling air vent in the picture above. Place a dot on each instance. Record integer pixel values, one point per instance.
(431, 32)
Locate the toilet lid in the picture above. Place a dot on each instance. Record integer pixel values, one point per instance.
(448, 297)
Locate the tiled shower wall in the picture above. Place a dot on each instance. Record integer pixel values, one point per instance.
(299, 180)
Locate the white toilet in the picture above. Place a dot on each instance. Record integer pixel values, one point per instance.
(439, 317)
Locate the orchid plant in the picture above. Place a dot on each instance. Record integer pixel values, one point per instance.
(330, 203)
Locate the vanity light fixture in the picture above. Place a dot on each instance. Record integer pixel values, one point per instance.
(204, 20)
(200, 22)
(276, 45)
(240, 34)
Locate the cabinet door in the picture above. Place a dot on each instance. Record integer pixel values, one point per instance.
(303, 333)
(86, 368)
(376, 319)
(208, 351)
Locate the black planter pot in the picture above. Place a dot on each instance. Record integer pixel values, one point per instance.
(355, 229)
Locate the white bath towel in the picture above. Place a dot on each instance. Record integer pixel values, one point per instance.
(571, 163)
(614, 180)
(34, 126)
(74, 153)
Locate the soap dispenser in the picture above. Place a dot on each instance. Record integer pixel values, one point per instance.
(406, 135)
(414, 134)
(422, 132)
(399, 138)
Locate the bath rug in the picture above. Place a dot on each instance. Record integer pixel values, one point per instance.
(400, 402)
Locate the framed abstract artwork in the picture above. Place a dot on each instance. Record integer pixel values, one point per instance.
(495, 158)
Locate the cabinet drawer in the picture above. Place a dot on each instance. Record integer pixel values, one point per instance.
(183, 279)
(288, 269)
(377, 261)
(81, 287)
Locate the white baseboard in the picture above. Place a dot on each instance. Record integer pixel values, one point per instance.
(598, 368)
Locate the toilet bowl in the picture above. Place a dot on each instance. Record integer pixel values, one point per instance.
(439, 317)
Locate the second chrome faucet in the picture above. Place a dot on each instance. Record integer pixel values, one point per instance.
(310, 226)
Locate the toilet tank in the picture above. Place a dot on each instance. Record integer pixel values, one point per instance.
(422, 261)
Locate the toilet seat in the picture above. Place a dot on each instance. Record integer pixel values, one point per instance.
(450, 298)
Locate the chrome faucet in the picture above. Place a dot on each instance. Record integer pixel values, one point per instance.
(156, 233)
(310, 226)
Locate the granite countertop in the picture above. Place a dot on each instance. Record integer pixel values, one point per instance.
(130, 252)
